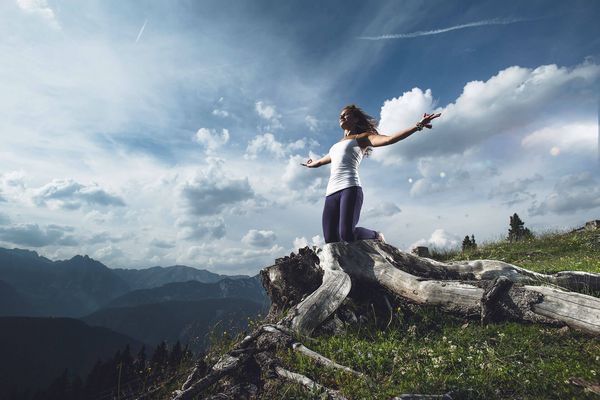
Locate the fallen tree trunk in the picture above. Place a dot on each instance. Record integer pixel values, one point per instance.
(456, 288)
(316, 291)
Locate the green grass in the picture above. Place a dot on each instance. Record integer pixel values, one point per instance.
(548, 252)
(504, 361)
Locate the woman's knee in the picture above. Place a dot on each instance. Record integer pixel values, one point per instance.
(347, 235)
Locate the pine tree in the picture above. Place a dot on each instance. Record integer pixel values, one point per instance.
(473, 243)
(176, 354)
(140, 362)
(466, 244)
(517, 230)
(160, 358)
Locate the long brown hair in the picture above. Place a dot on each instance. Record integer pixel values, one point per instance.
(364, 122)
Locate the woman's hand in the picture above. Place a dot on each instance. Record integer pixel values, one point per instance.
(427, 118)
(316, 164)
(309, 164)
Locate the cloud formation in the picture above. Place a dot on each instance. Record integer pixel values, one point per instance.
(41, 9)
(576, 137)
(270, 114)
(302, 242)
(514, 98)
(453, 173)
(201, 228)
(70, 195)
(267, 144)
(439, 239)
(211, 191)
(571, 193)
(35, 236)
(383, 209)
(259, 238)
(162, 244)
(211, 139)
(307, 184)
(516, 191)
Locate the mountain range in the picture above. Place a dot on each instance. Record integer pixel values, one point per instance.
(32, 285)
(39, 299)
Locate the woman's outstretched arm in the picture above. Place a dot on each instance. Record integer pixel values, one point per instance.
(315, 164)
(384, 140)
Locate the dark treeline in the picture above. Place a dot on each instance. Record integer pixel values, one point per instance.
(121, 377)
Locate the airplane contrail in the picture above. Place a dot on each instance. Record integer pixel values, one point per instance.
(141, 31)
(496, 21)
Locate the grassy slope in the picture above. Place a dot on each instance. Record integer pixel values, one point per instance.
(432, 353)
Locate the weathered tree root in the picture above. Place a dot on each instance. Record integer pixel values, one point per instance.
(308, 383)
(324, 361)
(491, 296)
(253, 356)
(453, 288)
(319, 288)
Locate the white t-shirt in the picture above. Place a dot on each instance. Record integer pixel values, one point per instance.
(345, 159)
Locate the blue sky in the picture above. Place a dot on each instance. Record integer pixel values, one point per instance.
(155, 133)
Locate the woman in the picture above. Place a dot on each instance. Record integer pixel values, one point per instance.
(344, 195)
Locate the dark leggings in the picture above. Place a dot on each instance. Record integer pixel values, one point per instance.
(340, 216)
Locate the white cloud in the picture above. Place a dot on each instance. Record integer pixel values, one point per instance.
(230, 259)
(191, 228)
(302, 242)
(211, 191)
(383, 209)
(270, 114)
(268, 144)
(515, 191)
(312, 123)
(12, 184)
(211, 139)
(110, 255)
(439, 239)
(104, 237)
(305, 183)
(35, 236)
(70, 195)
(514, 98)
(451, 173)
(571, 193)
(259, 238)
(220, 113)
(40, 8)
(578, 137)
(265, 111)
